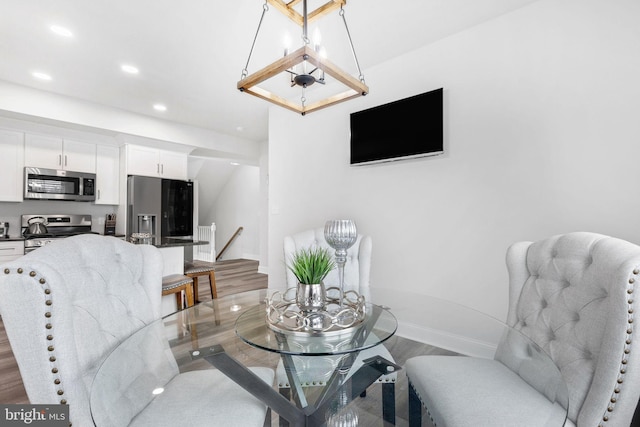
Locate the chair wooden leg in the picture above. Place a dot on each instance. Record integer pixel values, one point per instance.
(389, 402)
(179, 300)
(195, 287)
(189, 291)
(415, 408)
(212, 284)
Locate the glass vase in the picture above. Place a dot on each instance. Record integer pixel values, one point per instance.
(340, 234)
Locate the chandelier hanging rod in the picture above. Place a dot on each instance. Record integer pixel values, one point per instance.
(265, 8)
(353, 50)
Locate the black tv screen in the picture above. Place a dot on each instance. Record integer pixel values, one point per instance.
(404, 129)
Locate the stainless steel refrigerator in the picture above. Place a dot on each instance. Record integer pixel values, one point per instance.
(160, 207)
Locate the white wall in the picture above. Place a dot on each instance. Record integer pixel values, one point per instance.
(236, 205)
(541, 136)
(263, 210)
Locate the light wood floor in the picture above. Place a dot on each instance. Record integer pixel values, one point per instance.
(236, 276)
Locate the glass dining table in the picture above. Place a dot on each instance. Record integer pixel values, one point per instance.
(232, 334)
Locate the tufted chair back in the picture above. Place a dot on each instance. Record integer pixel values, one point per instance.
(67, 305)
(575, 296)
(356, 270)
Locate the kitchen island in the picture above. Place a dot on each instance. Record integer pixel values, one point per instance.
(174, 250)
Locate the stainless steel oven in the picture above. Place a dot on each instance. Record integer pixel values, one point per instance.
(51, 184)
(54, 227)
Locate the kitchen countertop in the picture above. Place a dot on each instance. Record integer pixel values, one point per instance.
(164, 242)
(169, 242)
(12, 239)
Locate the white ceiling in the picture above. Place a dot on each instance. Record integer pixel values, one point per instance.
(191, 54)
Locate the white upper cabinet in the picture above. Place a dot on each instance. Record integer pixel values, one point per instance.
(12, 170)
(107, 175)
(147, 161)
(52, 152)
(79, 156)
(173, 165)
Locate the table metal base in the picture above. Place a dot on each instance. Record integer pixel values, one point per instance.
(310, 415)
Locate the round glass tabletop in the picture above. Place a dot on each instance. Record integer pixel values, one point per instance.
(254, 329)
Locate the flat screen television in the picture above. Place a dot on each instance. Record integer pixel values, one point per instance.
(403, 129)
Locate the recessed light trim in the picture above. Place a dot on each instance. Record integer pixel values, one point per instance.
(61, 31)
(159, 107)
(41, 76)
(129, 69)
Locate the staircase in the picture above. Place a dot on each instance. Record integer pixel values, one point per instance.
(234, 276)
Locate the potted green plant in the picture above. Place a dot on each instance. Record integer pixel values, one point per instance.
(311, 266)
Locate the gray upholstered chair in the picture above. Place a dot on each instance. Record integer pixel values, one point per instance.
(66, 306)
(575, 296)
(317, 370)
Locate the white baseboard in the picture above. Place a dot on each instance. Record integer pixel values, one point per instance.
(446, 340)
(263, 270)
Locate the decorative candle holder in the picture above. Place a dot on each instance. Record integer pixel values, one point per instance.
(340, 234)
(336, 318)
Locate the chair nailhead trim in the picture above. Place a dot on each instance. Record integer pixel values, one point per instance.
(422, 402)
(48, 326)
(626, 350)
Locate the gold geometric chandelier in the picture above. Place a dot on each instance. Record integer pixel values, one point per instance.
(305, 66)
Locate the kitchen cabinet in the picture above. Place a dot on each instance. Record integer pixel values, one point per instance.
(51, 152)
(107, 175)
(147, 161)
(12, 170)
(11, 250)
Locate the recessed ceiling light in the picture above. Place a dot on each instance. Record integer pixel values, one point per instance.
(159, 107)
(61, 31)
(235, 163)
(239, 128)
(41, 76)
(129, 69)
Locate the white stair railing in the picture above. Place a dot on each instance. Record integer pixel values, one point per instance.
(206, 252)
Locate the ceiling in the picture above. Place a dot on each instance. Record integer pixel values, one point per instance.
(190, 55)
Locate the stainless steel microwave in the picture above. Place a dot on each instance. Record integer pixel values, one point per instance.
(51, 184)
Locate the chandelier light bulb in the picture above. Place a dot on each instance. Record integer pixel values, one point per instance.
(286, 41)
(317, 39)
